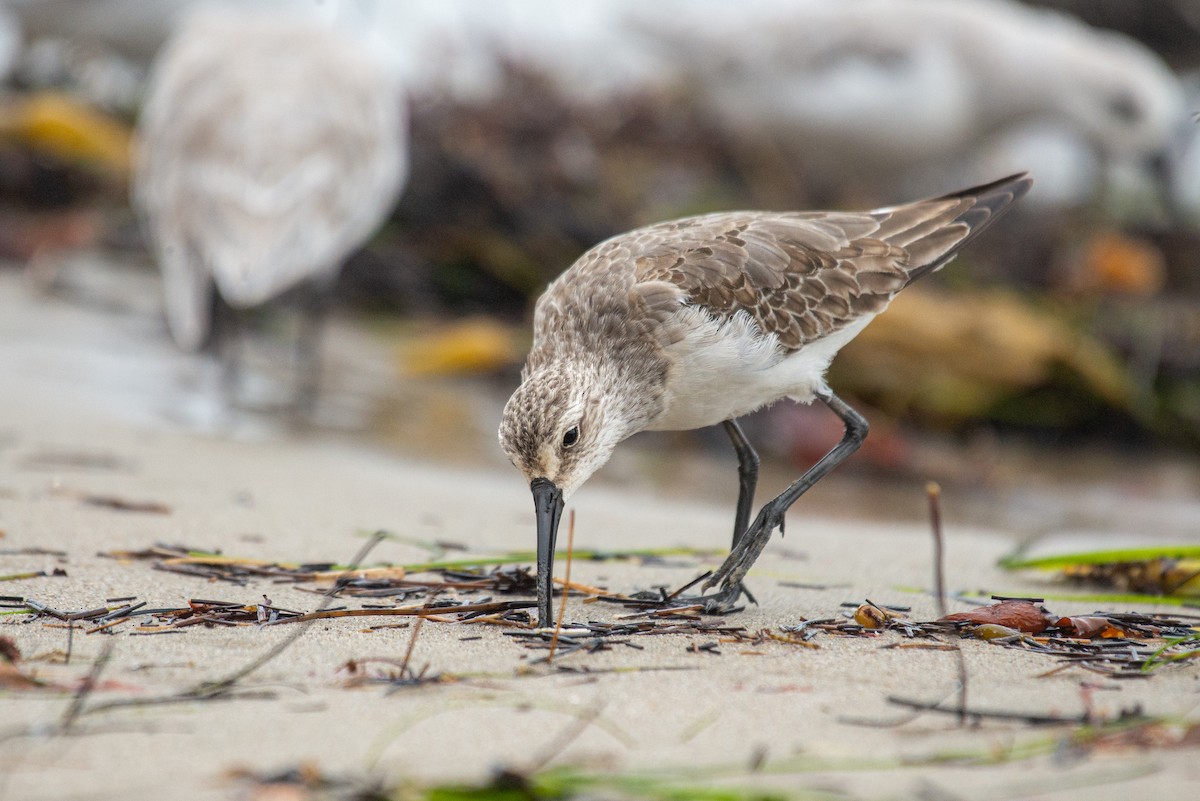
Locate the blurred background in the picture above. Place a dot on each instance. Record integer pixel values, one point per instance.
(1049, 378)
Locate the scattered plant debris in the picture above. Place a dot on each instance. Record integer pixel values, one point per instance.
(214, 565)
(1116, 644)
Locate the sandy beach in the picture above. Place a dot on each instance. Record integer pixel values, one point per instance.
(814, 719)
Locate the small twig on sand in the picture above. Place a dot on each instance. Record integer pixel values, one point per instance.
(934, 491)
(687, 586)
(562, 608)
(85, 688)
(935, 520)
(904, 720)
(1000, 714)
(412, 641)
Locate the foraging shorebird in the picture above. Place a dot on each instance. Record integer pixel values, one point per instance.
(272, 143)
(699, 321)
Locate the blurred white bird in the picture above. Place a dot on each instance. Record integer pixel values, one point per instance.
(271, 144)
(874, 88)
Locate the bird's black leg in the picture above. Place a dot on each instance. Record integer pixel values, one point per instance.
(751, 544)
(747, 477)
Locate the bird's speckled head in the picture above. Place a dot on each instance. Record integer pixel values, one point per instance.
(563, 422)
(562, 425)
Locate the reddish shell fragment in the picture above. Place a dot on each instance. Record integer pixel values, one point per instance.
(1023, 616)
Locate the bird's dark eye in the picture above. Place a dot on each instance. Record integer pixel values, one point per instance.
(571, 437)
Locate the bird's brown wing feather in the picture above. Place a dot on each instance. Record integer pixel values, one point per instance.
(803, 276)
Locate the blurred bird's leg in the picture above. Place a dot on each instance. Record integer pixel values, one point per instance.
(229, 341)
(315, 302)
(770, 517)
(747, 477)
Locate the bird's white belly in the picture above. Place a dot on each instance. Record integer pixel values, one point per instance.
(721, 370)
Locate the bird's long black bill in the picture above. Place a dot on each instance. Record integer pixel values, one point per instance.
(548, 506)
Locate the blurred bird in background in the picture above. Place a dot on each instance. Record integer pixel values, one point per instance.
(879, 93)
(272, 143)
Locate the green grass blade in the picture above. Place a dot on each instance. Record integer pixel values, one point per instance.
(1017, 560)
(1157, 659)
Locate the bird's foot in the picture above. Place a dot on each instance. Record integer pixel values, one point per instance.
(722, 602)
(735, 567)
